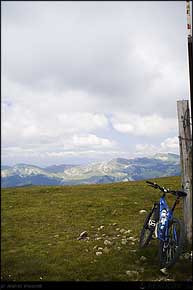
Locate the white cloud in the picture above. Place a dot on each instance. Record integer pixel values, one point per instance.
(146, 149)
(168, 145)
(91, 141)
(150, 125)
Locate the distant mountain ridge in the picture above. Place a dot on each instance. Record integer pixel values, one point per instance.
(115, 170)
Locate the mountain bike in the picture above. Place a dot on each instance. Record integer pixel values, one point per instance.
(160, 224)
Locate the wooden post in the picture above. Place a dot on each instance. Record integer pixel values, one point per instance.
(185, 141)
(189, 30)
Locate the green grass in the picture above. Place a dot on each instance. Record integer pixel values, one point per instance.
(40, 226)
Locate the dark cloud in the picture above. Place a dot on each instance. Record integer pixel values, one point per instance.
(60, 57)
(100, 48)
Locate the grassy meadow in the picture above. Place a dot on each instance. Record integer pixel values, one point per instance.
(40, 226)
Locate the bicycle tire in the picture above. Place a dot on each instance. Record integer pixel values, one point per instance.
(144, 241)
(163, 255)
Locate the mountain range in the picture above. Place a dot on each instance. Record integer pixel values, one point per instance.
(115, 170)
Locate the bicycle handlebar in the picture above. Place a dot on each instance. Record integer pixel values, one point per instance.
(163, 189)
(177, 193)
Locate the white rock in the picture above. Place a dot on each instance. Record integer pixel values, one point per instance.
(187, 256)
(131, 239)
(118, 248)
(56, 236)
(94, 248)
(122, 231)
(100, 228)
(114, 224)
(132, 273)
(164, 271)
(117, 229)
(98, 238)
(142, 258)
(98, 253)
(106, 242)
(123, 241)
(83, 235)
(133, 251)
(100, 248)
(142, 211)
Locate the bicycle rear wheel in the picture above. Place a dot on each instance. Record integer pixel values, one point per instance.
(170, 250)
(149, 226)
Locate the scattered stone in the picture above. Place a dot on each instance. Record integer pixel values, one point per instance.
(49, 244)
(94, 248)
(114, 238)
(132, 273)
(41, 278)
(118, 236)
(128, 232)
(100, 228)
(100, 248)
(132, 243)
(98, 238)
(164, 271)
(106, 242)
(117, 229)
(122, 231)
(56, 236)
(187, 256)
(135, 202)
(103, 235)
(142, 258)
(114, 224)
(106, 250)
(123, 241)
(83, 235)
(98, 253)
(142, 211)
(131, 239)
(118, 248)
(86, 250)
(133, 251)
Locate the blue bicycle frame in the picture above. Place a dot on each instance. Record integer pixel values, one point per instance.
(165, 216)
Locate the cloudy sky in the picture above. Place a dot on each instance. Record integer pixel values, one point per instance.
(91, 81)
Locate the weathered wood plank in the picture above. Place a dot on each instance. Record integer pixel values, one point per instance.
(185, 141)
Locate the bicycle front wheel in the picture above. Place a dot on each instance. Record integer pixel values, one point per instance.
(149, 226)
(170, 250)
